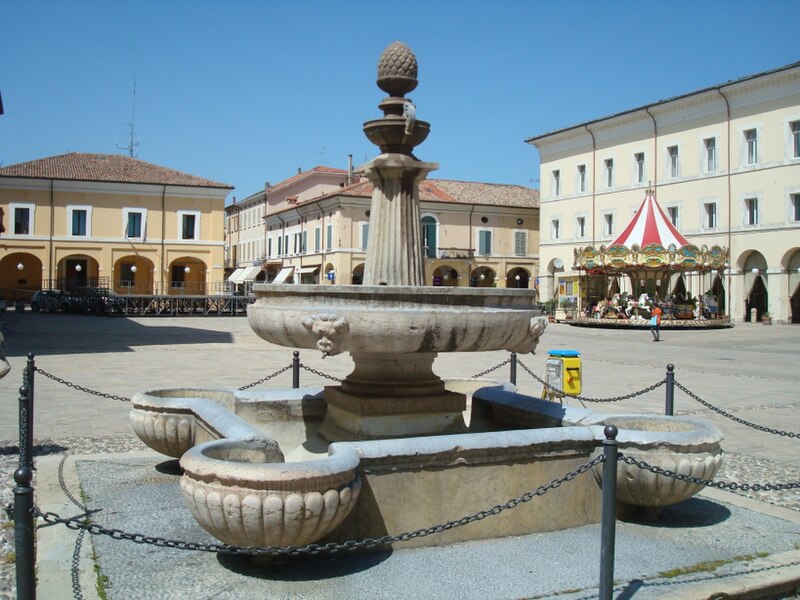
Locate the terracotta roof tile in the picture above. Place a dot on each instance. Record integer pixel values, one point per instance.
(459, 192)
(112, 168)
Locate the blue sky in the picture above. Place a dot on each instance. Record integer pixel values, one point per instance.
(248, 91)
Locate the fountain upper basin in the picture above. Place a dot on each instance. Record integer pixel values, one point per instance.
(395, 319)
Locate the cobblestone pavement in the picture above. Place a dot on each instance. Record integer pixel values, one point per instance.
(748, 371)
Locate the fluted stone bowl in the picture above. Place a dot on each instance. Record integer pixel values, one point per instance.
(680, 444)
(395, 319)
(390, 136)
(241, 495)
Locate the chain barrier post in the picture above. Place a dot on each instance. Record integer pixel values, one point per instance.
(29, 373)
(608, 523)
(296, 369)
(24, 540)
(513, 374)
(670, 389)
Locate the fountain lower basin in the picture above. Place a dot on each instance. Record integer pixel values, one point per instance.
(246, 488)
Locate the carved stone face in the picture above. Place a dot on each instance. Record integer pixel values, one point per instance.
(330, 331)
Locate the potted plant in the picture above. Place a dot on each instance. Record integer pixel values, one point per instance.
(567, 306)
(550, 309)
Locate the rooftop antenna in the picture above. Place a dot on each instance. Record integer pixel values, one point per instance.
(132, 143)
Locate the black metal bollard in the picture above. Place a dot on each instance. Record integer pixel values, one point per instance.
(23, 500)
(670, 390)
(28, 376)
(296, 369)
(513, 374)
(608, 524)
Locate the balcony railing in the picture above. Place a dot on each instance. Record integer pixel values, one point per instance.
(456, 253)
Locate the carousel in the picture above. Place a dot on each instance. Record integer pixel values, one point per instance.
(650, 263)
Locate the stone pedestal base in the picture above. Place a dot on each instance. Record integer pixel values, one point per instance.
(391, 396)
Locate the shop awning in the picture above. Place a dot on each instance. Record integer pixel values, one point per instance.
(283, 275)
(302, 270)
(250, 274)
(236, 276)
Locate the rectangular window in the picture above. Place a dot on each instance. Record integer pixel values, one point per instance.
(304, 243)
(269, 247)
(795, 207)
(317, 239)
(286, 244)
(581, 178)
(178, 276)
(710, 161)
(751, 141)
(580, 229)
(672, 211)
(639, 159)
(188, 226)
(22, 220)
(133, 228)
(484, 242)
(555, 229)
(520, 243)
(79, 220)
(295, 243)
(672, 151)
(280, 245)
(364, 235)
(609, 224)
(329, 238)
(795, 126)
(751, 210)
(609, 164)
(557, 182)
(710, 209)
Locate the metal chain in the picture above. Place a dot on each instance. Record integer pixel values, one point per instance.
(63, 485)
(723, 485)
(311, 549)
(735, 418)
(80, 388)
(487, 371)
(77, 593)
(320, 373)
(587, 399)
(263, 379)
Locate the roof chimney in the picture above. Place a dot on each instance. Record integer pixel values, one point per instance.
(349, 169)
(299, 170)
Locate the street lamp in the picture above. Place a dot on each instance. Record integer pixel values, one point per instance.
(78, 268)
(187, 269)
(20, 266)
(133, 269)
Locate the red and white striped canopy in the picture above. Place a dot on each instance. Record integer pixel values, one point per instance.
(650, 226)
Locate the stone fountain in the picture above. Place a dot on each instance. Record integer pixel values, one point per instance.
(389, 450)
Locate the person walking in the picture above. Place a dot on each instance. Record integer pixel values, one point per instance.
(655, 323)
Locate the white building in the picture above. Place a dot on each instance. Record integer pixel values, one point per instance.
(724, 163)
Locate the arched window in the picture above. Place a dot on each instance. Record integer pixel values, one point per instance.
(429, 240)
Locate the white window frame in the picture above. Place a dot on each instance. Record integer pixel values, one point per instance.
(128, 211)
(793, 148)
(363, 237)
(517, 235)
(706, 155)
(317, 239)
(185, 213)
(748, 201)
(71, 209)
(478, 233)
(639, 168)
(677, 209)
(609, 228)
(704, 216)
(794, 206)
(555, 229)
(12, 208)
(580, 223)
(329, 237)
(556, 182)
(581, 182)
(750, 150)
(608, 173)
(673, 166)
(436, 233)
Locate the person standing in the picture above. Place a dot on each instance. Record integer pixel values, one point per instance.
(655, 323)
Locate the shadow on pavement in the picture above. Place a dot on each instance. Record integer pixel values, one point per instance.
(307, 568)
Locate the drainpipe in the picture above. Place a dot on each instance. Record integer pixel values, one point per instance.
(594, 169)
(163, 233)
(471, 232)
(655, 149)
(283, 236)
(728, 180)
(52, 232)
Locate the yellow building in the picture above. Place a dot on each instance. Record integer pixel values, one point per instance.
(475, 234)
(102, 220)
(725, 165)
